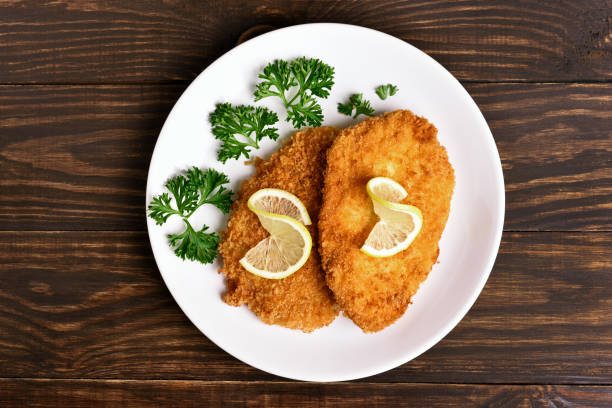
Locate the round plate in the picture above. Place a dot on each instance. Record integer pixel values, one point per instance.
(363, 59)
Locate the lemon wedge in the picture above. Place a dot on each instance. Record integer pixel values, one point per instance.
(399, 224)
(288, 247)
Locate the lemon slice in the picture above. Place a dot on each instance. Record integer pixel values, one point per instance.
(288, 247)
(275, 201)
(399, 223)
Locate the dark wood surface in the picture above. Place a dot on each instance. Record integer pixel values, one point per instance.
(135, 41)
(85, 319)
(165, 393)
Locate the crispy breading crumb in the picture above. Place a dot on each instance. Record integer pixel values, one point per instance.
(375, 292)
(301, 301)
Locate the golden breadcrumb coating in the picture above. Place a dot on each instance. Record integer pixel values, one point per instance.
(301, 301)
(375, 292)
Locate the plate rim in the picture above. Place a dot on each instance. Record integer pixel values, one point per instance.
(458, 315)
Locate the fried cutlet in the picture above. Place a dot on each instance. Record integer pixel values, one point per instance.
(302, 300)
(375, 292)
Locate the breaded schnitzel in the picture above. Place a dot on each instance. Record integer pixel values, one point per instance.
(302, 300)
(374, 292)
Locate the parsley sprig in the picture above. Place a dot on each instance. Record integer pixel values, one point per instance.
(313, 79)
(192, 190)
(384, 91)
(357, 103)
(240, 128)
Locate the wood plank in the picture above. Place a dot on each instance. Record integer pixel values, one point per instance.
(70, 155)
(109, 42)
(555, 142)
(87, 393)
(92, 305)
(76, 157)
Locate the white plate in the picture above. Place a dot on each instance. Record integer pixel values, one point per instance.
(363, 59)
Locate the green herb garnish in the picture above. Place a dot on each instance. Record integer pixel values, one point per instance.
(191, 191)
(195, 245)
(312, 78)
(384, 91)
(241, 128)
(357, 103)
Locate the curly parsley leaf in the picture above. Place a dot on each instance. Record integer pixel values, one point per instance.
(191, 190)
(210, 186)
(384, 91)
(185, 194)
(160, 209)
(195, 245)
(240, 128)
(312, 78)
(357, 103)
(345, 108)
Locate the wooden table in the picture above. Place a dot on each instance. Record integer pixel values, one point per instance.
(85, 318)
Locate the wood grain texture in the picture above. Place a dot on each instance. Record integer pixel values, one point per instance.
(76, 157)
(92, 305)
(555, 143)
(110, 42)
(87, 393)
(75, 154)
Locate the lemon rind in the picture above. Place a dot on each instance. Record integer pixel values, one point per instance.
(413, 211)
(275, 191)
(289, 220)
